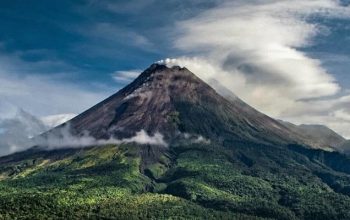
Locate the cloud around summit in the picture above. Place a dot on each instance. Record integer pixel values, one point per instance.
(256, 49)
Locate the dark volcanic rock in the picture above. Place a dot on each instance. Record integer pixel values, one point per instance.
(173, 101)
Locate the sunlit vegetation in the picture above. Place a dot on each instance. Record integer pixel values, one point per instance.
(197, 181)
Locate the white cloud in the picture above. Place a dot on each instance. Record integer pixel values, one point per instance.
(39, 94)
(22, 132)
(169, 62)
(253, 49)
(16, 128)
(125, 76)
(142, 137)
(55, 120)
(342, 114)
(62, 138)
(7, 110)
(42, 94)
(108, 33)
(196, 139)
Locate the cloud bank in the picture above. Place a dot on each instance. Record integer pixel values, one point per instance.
(63, 138)
(255, 49)
(23, 132)
(19, 128)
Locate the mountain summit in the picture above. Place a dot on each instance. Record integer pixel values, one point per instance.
(174, 101)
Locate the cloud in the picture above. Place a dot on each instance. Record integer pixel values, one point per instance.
(16, 128)
(7, 110)
(113, 35)
(254, 49)
(111, 32)
(27, 85)
(132, 6)
(125, 76)
(24, 131)
(333, 112)
(63, 138)
(55, 120)
(44, 96)
(142, 137)
(195, 139)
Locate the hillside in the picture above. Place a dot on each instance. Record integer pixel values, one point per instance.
(318, 136)
(222, 160)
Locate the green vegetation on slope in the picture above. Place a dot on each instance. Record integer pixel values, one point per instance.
(95, 183)
(198, 181)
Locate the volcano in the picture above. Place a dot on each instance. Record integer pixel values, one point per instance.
(222, 159)
(174, 101)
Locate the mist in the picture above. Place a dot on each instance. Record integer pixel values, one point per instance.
(63, 138)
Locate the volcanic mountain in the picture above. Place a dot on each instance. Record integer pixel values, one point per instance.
(174, 101)
(218, 158)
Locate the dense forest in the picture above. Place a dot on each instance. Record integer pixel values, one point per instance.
(203, 181)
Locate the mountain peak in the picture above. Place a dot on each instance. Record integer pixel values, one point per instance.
(162, 75)
(172, 100)
(163, 68)
(145, 104)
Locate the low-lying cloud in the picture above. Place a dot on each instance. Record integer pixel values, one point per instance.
(63, 138)
(17, 127)
(14, 139)
(195, 139)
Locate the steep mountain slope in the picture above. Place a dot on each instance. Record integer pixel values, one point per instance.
(173, 100)
(318, 136)
(322, 133)
(223, 160)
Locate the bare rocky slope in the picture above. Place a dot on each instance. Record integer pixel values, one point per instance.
(175, 101)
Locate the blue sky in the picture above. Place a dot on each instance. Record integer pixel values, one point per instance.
(333, 49)
(91, 39)
(286, 58)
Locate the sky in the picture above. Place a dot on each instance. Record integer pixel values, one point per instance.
(288, 59)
